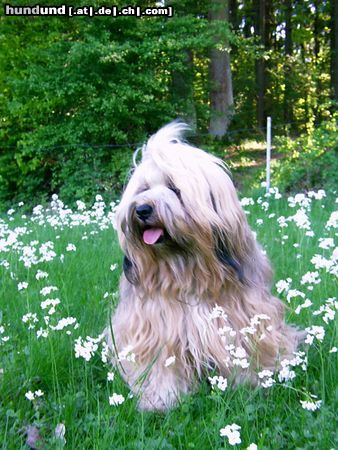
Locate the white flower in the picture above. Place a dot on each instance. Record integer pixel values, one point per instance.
(315, 331)
(267, 383)
(299, 199)
(170, 361)
(49, 302)
(126, 354)
(104, 352)
(252, 447)
(110, 376)
(226, 329)
(38, 393)
(220, 382)
(311, 405)
(40, 275)
(239, 352)
(239, 357)
(116, 399)
(266, 377)
(216, 312)
(301, 219)
(113, 267)
(80, 205)
(321, 263)
(29, 395)
(326, 243)
(310, 278)
(22, 285)
(47, 290)
(333, 221)
(31, 319)
(71, 248)
(283, 285)
(265, 206)
(42, 333)
(294, 293)
(85, 348)
(64, 322)
(317, 195)
(333, 350)
(282, 222)
(306, 304)
(265, 373)
(285, 374)
(246, 201)
(232, 433)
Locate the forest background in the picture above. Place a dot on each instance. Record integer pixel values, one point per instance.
(79, 94)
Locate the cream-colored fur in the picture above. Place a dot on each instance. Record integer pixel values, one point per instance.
(208, 257)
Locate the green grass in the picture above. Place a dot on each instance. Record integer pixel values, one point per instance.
(76, 392)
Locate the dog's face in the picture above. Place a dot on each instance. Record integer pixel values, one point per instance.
(153, 212)
(180, 201)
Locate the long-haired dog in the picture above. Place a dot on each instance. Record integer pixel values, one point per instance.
(195, 293)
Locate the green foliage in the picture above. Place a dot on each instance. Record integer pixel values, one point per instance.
(100, 81)
(70, 91)
(310, 161)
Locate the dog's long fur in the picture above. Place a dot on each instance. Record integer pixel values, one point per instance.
(207, 256)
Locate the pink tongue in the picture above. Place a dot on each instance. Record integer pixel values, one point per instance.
(152, 235)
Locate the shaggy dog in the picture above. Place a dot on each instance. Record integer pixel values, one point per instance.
(195, 293)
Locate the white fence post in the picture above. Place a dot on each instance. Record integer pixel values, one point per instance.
(268, 152)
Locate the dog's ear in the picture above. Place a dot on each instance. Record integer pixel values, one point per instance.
(129, 270)
(224, 256)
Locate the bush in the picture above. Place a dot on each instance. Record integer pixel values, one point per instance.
(310, 161)
(75, 172)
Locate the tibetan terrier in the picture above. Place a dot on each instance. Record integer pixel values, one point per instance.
(195, 292)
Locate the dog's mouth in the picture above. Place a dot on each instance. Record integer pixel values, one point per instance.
(153, 235)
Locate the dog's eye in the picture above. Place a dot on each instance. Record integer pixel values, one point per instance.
(174, 189)
(142, 188)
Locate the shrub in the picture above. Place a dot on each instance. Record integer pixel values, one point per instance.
(310, 161)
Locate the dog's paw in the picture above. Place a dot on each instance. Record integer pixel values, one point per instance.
(154, 403)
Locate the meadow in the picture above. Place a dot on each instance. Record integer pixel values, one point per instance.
(59, 284)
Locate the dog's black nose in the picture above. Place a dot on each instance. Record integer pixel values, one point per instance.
(143, 212)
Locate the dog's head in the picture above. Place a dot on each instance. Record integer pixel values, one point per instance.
(180, 205)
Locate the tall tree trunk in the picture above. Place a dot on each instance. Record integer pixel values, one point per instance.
(334, 50)
(233, 14)
(262, 28)
(221, 95)
(288, 97)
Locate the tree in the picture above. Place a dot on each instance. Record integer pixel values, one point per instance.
(288, 94)
(262, 28)
(334, 50)
(221, 95)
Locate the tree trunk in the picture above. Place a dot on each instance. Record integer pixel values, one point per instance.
(288, 112)
(233, 14)
(221, 95)
(262, 28)
(334, 50)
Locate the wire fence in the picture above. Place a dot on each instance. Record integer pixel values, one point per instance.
(252, 132)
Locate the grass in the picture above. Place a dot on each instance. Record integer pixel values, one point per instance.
(76, 392)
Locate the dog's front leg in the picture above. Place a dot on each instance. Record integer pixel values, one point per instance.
(156, 386)
(160, 388)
